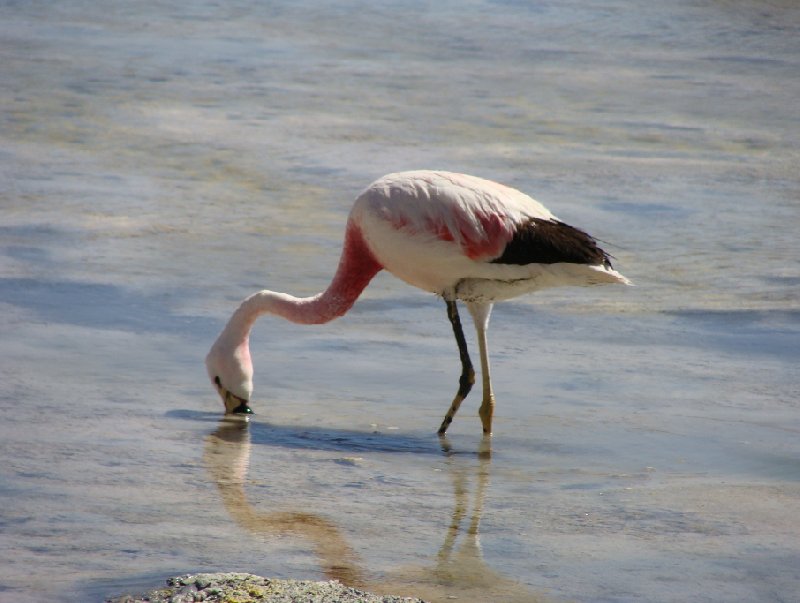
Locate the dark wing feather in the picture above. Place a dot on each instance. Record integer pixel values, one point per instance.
(540, 241)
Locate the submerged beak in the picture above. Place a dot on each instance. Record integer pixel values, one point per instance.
(234, 405)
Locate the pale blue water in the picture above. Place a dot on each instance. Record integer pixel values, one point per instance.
(161, 160)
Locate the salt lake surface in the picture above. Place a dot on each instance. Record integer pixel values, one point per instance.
(161, 160)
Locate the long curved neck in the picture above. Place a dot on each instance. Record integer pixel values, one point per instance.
(357, 267)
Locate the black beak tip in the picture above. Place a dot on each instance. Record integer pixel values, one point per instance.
(243, 409)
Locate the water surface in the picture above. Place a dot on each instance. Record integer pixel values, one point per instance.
(160, 161)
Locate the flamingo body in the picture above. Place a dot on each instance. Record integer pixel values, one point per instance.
(443, 232)
(460, 237)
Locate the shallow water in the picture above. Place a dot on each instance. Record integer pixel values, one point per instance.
(161, 161)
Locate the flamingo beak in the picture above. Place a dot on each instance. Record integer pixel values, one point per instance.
(234, 405)
(243, 409)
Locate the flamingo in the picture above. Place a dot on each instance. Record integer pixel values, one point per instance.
(463, 238)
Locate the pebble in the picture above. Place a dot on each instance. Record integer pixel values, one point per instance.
(249, 588)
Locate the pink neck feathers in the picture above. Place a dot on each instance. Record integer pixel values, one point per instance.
(357, 267)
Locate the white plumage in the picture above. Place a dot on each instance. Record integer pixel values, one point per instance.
(435, 230)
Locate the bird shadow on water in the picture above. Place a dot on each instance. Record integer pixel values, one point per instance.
(458, 570)
(265, 433)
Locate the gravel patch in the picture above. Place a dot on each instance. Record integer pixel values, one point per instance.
(248, 588)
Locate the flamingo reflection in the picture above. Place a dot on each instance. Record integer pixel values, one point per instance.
(227, 458)
(458, 571)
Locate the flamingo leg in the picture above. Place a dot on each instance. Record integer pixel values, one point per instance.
(467, 378)
(480, 316)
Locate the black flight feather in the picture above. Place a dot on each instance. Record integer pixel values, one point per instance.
(541, 241)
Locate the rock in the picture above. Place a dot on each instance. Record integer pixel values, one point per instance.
(249, 588)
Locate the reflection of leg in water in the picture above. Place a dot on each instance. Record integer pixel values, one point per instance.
(458, 571)
(226, 457)
(467, 564)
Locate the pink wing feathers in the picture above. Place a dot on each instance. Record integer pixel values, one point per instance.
(479, 215)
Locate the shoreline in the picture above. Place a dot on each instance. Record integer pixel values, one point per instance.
(250, 588)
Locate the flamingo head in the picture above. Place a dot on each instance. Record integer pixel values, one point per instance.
(231, 372)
